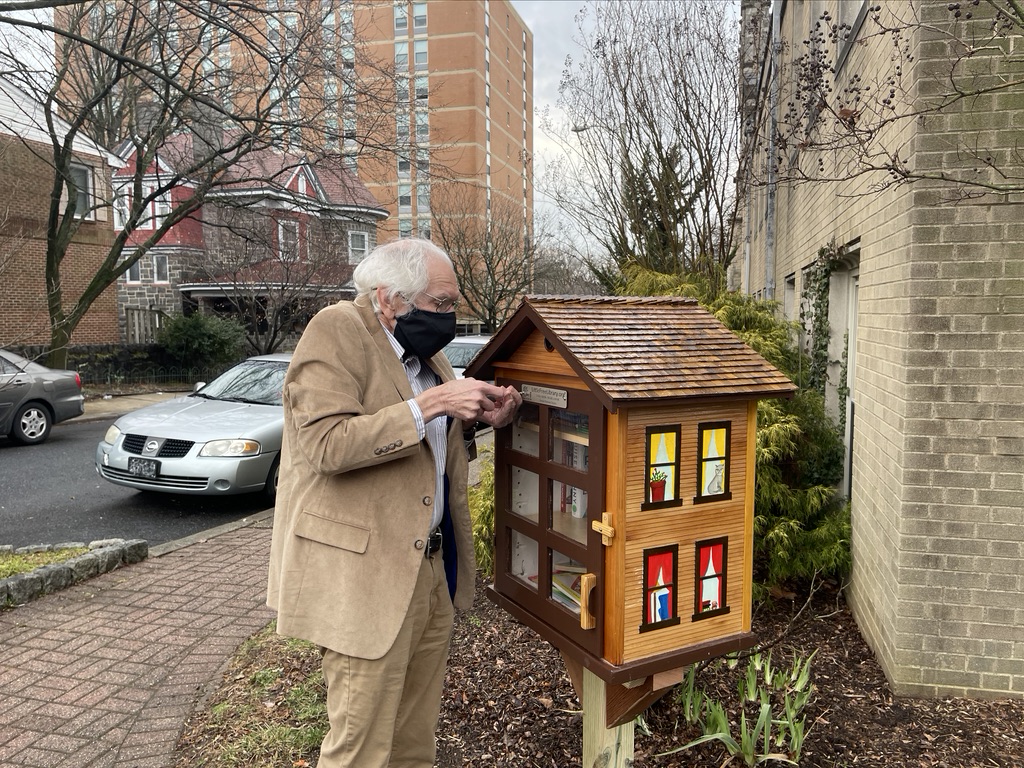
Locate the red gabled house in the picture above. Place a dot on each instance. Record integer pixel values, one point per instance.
(275, 239)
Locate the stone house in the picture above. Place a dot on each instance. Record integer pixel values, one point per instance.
(924, 288)
(277, 230)
(26, 181)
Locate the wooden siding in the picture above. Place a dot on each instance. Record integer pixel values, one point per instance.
(684, 525)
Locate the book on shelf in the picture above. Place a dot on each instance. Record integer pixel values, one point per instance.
(567, 585)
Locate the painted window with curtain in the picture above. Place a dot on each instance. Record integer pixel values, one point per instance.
(661, 593)
(661, 485)
(711, 561)
(713, 464)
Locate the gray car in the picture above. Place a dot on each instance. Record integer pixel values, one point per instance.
(224, 438)
(33, 398)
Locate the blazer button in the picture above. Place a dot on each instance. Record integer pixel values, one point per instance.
(427, 501)
(420, 544)
(376, 451)
(398, 443)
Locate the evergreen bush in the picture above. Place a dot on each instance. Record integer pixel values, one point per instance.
(200, 340)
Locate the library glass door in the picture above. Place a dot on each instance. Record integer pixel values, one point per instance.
(548, 490)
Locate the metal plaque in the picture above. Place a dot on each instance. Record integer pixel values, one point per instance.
(557, 398)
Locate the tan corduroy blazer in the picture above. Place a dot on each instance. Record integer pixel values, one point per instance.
(356, 489)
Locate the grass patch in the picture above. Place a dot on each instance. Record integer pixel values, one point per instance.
(13, 562)
(270, 709)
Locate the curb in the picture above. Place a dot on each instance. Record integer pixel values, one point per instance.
(104, 556)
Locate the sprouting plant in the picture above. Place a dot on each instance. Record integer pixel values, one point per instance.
(657, 476)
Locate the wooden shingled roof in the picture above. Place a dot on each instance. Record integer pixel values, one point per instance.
(630, 349)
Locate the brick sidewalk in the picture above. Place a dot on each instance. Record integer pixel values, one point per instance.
(104, 674)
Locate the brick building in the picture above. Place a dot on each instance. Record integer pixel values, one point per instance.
(925, 307)
(470, 63)
(26, 179)
(278, 229)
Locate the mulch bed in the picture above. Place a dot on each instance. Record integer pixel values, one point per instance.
(509, 702)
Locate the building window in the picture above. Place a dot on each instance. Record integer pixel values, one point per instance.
(403, 165)
(358, 244)
(662, 467)
(423, 199)
(160, 273)
(424, 228)
(122, 206)
(420, 55)
(422, 161)
(661, 593)
(133, 274)
(288, 240)
(156, 207)
(422, 88)
(405, 198)
(711, 561)
(401, 55)
(713, 464)
(419, 17)
(81, 181)
(401, 17)
(405, 227)
(422, 127)
(161, 208)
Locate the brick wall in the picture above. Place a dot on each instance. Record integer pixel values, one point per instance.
(25, 181)
(938, 383)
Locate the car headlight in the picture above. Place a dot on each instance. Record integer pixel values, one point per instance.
(112, 434)
(231, 448)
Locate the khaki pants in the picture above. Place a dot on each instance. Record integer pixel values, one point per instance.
(383, 712)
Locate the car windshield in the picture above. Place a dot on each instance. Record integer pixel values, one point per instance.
(460, 353)
(254, 381)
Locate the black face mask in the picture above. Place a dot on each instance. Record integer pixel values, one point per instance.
(424, 333)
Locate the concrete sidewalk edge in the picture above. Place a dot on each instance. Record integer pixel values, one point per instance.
(209, 533)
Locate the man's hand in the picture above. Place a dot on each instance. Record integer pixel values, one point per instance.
(470, 400)
(504, 408)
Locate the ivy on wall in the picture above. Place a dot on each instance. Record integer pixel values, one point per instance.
(814, 312)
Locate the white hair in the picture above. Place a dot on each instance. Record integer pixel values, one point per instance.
(399, 266)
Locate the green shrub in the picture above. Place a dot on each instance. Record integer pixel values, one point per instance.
(200, 340)
(481, 509)
(801, 522)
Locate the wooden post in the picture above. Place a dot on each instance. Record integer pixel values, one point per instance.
(603, 747)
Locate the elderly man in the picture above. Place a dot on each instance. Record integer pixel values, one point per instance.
(372, 541)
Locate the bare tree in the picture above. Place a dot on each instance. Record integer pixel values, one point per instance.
(237, 78)
(828, 112)
(274, 288)
(494, 254)
(650, 135)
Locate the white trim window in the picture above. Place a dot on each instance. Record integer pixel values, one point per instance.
(420, 55)
(122, 206)
(358, 245)
(288, 240)
(160, 267)
(82, 180)
(134, 273)
(419, 17)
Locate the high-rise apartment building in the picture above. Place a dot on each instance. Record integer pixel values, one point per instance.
(464, 113)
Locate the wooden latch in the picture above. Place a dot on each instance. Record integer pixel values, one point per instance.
(604, 527)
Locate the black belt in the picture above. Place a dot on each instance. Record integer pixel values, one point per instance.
(433, 542)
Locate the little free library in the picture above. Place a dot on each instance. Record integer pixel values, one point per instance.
(624, 489)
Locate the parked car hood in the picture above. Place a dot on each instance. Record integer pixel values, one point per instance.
(198, 419)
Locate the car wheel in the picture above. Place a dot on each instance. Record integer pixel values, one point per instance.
(31, 424)
(269, 491)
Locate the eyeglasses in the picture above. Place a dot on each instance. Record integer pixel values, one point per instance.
(442, 305)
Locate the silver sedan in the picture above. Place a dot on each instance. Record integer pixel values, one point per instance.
(33, 398)
(224, 438)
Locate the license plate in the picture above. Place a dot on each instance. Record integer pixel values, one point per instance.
(144, 467)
